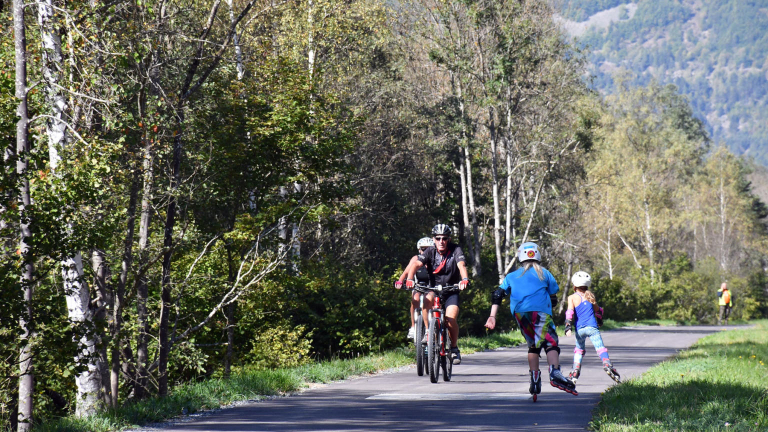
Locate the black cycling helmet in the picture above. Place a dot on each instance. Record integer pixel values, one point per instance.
(441, 229)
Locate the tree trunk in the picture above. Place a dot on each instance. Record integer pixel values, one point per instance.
(648, 235)
(609, 252)
(26, 367)
(78, 310)
(164, 347)
(230, 314)
(140, 390)
(510, 211)
(723, 217)
(89, 382)
(476, 265)
(497, 233)
(567, 283)
(236, 41)
(464, 207)
(103, 300)
(117, 307)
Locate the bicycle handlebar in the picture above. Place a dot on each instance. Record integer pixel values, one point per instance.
(438, 289)
(443, 288)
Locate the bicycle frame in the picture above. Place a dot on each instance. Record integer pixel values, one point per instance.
(437, 313)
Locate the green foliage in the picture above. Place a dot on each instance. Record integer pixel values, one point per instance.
(721, 383)
(280, 347)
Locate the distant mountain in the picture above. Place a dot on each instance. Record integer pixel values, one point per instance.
(715, 51)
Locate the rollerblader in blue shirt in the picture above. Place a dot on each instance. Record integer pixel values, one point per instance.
(529, 289)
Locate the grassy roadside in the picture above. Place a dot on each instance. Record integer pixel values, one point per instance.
(250, 384)
(719, 384)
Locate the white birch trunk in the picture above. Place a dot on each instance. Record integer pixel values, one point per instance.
(476, 265)
(648, 235)
(236, 41)
(78, 297)
(508, 228)
(89, 388)
(496, 211)
(464, 207)
(723, 209)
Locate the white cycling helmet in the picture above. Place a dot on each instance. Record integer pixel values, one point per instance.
(528, 251)
(581, 279)
(425, 242)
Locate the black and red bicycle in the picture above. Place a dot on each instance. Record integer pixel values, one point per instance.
(438, 338)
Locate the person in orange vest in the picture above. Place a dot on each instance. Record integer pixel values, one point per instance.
(726, 303)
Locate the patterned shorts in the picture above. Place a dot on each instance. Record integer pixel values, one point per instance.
(537, 328)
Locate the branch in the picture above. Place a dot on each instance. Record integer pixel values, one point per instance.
(81, 95)
(196, 60)
(71, 129)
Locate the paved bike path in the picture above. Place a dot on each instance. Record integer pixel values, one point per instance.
(488, 392)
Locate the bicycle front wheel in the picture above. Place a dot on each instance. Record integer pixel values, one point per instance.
(446, 361)
(433, 349)
(418, 345)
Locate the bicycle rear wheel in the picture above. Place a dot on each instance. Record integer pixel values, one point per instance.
(433, 350)
(446, 362)
(419, 347)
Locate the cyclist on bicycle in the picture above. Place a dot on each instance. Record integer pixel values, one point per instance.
(446, 265)
(422, 277)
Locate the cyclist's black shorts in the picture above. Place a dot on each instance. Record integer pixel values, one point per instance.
(451, 299)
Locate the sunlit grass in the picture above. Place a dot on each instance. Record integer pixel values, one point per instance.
(720, 384)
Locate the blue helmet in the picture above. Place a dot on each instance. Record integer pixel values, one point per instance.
(528, 251)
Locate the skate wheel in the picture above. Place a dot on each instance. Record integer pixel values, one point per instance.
(535, 396)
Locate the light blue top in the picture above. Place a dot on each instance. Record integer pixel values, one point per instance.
(527, 293)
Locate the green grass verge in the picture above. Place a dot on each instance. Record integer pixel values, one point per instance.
(248, 384)
(610, 324)
(719, 384)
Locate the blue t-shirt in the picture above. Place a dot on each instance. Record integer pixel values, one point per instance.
(528, 293)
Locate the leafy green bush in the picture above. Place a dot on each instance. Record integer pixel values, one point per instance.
(280, 347)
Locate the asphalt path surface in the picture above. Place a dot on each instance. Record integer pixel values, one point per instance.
(488, 392)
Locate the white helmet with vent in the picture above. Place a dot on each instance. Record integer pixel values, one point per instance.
(581, 279)
(424, 243)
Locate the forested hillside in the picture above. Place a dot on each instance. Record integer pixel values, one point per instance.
(715, 52)
(193, 188)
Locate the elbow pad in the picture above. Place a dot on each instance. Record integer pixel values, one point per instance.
(599, 313)
(569, 314)
(498, 296)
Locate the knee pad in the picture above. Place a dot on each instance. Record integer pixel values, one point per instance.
(552, 348)
(578, 351)
(533, 350)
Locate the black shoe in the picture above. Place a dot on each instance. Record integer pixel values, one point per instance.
(456, 355)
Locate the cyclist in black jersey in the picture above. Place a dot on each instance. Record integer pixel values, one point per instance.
(446, 265)
(422, 276)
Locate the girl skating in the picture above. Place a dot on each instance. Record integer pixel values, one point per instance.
(584, 314)
(529, 288)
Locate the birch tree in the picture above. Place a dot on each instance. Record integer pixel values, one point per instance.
(26, 324)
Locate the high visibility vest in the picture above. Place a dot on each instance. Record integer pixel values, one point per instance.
(725, 297)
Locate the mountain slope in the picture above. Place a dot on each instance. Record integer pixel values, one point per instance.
(715, 51)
